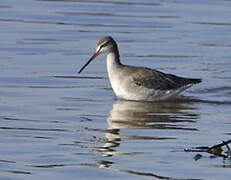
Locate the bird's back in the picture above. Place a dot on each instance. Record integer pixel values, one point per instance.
(153, 79)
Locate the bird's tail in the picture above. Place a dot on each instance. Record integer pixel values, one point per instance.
(195, 81)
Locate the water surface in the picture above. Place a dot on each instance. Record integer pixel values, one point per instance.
(56, 124)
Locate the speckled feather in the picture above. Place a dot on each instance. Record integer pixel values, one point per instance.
(153, 79)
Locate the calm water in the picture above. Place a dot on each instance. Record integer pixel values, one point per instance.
(55, 124)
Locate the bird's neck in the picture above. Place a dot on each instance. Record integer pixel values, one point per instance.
(114, 69)
(113, 60)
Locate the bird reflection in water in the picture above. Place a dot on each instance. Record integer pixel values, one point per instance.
(168, 115)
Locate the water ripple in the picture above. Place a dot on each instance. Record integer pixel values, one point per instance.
(124, 3)
(86, 24)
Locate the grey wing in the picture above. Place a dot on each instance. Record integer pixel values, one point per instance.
(153, 79)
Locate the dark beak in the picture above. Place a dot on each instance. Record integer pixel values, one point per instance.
(91, 59)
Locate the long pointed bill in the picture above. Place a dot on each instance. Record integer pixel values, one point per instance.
(91, 59)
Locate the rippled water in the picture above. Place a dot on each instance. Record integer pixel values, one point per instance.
(55, 124)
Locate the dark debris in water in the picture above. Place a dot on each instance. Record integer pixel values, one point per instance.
(85, 119)
(218, 150)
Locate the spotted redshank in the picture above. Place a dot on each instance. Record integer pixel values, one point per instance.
(138, 83)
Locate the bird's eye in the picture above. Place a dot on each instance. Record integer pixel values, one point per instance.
(103, 45)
